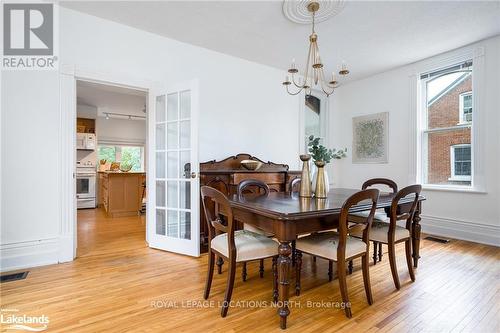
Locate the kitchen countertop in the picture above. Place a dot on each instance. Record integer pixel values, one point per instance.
(121, 172)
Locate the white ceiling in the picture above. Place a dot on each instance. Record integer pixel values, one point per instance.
(111, 98)
(371, 36)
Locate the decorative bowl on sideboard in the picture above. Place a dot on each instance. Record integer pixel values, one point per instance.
(251, 164)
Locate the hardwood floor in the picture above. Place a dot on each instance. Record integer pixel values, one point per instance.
(118, 284)
(98, 234)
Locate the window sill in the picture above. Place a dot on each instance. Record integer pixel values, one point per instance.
(463, 189)
(459, 179)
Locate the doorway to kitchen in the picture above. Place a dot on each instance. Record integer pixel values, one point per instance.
(111, 135)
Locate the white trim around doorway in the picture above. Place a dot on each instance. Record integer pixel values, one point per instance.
(69, 74)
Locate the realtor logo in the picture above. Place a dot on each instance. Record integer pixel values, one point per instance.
(28, 36)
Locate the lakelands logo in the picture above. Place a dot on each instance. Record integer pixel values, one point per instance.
(11, 319)
(29, 36)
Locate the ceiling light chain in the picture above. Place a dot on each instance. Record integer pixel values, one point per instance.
(313, 61)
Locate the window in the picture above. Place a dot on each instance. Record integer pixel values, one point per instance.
(465, 107)
(130, 155)
(461, 162)
(445, 134)
(107, 153)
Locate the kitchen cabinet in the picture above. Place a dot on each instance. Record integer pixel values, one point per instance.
(120, 193)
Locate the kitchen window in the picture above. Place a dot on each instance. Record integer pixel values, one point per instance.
(130, 155)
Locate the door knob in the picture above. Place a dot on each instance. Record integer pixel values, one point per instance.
(193, 174)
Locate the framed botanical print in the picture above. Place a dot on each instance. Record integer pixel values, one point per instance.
(370, 138)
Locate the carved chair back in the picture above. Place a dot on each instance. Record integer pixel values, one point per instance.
(252, 187)
(372, 196)
(294, 185)
(396, 215)
(381, 181)
(219, 216)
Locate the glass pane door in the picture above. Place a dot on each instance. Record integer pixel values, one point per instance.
(177, 185)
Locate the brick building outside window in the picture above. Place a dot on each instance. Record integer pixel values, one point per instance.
(447, 145)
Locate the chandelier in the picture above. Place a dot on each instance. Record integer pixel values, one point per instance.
(313, 75)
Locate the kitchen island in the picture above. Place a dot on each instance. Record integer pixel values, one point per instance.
(120, 193)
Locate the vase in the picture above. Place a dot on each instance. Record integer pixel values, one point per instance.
(305, 181)
(315, 177)
(320, 188)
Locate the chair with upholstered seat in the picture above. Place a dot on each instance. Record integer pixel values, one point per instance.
(392, 234)
(232, 245)
(253, 187)
(340, 247)
(380, 215)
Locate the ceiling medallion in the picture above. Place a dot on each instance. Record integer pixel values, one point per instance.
(297, 12)
(313, 73)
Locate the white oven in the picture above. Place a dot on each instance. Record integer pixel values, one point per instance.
(85, 188)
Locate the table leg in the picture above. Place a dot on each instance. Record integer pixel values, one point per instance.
(284, 261)
(416, 228)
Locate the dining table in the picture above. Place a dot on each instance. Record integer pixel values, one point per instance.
(287, 215)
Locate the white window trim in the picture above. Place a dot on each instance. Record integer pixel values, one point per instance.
(477, 54)
(454, 177)
(461, 107)
(424, 131)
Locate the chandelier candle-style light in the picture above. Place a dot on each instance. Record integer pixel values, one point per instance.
(314, 67)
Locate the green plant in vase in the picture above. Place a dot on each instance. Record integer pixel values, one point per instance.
(322, 156)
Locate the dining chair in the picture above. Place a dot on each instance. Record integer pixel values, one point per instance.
(339, 247)
(392, 234)
(253, 187)
(380, 215)
(294, 186)
(232, 245)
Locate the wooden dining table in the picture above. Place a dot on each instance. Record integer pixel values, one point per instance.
(287, 216)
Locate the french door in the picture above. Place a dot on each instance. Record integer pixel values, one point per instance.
(173, 202)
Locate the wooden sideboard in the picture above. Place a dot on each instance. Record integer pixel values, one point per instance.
(225, 175)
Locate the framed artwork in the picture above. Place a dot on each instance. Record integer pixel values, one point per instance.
(370, 138)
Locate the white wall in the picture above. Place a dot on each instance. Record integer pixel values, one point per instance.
(473, 216)
(30, 171)
(86, 111)
(117, 130)
(121, 130)
(243, 108)
(238, 99)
